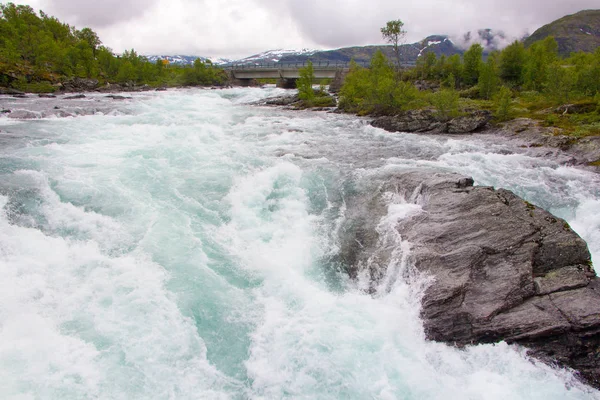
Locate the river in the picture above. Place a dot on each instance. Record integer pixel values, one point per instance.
(183, 245)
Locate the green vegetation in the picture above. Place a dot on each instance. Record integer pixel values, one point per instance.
(533, 82)
(39, 51)
(310, 97)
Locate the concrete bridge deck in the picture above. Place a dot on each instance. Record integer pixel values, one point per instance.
(287, 73)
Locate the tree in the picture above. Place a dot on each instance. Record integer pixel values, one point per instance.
(446, 102)
(305, 83)
(503, 102)
(512, 63)
(393, 33)
(539, 57)
(92, 39)
(472, 64)
(561, 80)
(489, 81)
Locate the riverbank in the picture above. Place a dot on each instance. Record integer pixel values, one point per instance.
(523, 134)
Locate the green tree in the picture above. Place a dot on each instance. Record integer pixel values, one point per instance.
(454, 67)
(472, 64)
(446, 102)
(305, 83)
(489, 80)
(126, 72)
(502, 102)
(512, 63)
(426, 64)
(91, 38)
(539, 56)
(560, 84)
(394, 34)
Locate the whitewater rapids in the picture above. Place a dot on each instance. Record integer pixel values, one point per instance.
(183, 245)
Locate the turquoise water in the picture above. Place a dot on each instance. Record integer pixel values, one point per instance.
(182, 245)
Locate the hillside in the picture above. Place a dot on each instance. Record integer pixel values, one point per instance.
(577, 32)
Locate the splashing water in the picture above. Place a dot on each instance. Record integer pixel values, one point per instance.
(182, 245)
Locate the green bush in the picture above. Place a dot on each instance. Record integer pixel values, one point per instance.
(305, 83)
(503, 102)
(446, 102)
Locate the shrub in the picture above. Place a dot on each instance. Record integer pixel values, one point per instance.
(446, 102)
(502, 102)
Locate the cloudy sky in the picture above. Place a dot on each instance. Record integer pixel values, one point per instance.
(238, 28)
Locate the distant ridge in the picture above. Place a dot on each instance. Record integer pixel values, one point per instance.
(577, 32)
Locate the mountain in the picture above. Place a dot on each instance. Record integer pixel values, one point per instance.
(186, 60)
(438, 44)
(577, 32)
(275, 56)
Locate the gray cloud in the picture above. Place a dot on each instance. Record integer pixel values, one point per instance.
(99, 13)
(241, 27)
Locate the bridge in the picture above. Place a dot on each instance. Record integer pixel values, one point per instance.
(286, 73)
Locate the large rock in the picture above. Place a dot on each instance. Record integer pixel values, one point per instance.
(427, 121)
(502, 268)
(80, 85)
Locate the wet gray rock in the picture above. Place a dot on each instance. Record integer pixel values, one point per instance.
(502, 268)
(46, 96)
(472, 122)
(80, 85)
(75, 97)
(5, 90)
(285, 100)
(118, 97)
(427, 121)
(5, 111)
(410, 121)
(23, 114)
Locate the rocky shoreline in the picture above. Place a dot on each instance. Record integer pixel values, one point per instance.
(523, 133)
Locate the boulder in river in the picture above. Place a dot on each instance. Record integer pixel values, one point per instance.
(501, 268)
(118, 97)
(75, 97)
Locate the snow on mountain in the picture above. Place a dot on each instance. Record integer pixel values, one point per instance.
(187, 60)
(273, 56)
(266, 57)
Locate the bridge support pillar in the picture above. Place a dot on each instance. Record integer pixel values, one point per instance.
(286, 83)
(245, 82)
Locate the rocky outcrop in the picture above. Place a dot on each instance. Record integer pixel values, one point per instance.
(80, 85)
(427, 121)
(285, 100)
(502, 268)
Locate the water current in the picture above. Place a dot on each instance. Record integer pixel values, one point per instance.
(182, 245)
